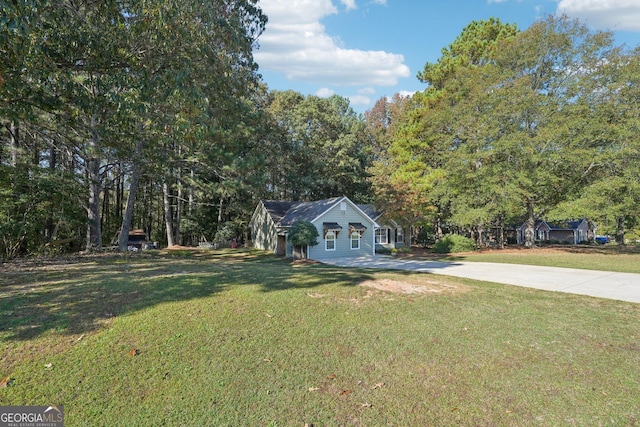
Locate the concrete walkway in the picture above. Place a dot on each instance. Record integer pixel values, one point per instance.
(601, 284)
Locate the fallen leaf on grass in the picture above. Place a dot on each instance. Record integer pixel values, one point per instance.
(366, 405)
(48, 366)
(346, 392)
(332, 376)
(378, 385)
(6, 382)
(314, 388)
(266, 360)
(134, 352)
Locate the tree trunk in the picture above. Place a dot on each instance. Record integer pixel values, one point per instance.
(94, 232)
(220, 206)
(119, 188)
(14, 139)
(131, 198)
(438, 230)
(53, 160)
(168, 213)
(620, 231)
(529, 232)
(179, 208)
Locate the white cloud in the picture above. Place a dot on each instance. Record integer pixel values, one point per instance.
(604, 14)
(382, 2)
(350, 4)
(406, 93)
(296, 44)
(359, 100)
(325, 92)
(367, 91)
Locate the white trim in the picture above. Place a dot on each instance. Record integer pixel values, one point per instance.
(351, 240)
(385, 235)
(334, 240)
(353, 205)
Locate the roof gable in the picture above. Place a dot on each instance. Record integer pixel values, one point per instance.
(307, 211)
(370, 211)
(277, 209)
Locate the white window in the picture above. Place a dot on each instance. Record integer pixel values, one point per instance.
(381, 236)
(581, 236)
(330, 241)
(540, 234)
(355, 240)
(399, 235)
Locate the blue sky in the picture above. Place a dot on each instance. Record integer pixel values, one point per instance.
(367, 49)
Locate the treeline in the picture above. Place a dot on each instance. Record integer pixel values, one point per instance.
(151, 114)
(513, 127)
(117, 115)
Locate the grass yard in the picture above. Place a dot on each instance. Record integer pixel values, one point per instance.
(235, 338)
(603, 258)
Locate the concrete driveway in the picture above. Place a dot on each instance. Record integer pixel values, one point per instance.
(601, 284)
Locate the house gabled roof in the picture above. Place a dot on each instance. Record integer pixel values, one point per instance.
(370, 211)
(307, 211)
(277, 209)
(285, 213)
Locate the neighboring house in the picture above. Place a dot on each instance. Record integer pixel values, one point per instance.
(571, 232)
(344, 229)
(390, 235)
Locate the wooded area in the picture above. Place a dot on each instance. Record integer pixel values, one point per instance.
(152, 115)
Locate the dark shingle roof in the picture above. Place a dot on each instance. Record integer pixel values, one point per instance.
(370, 211)
(277, 209)
(306, 211)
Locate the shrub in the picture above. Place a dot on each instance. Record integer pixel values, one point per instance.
(225, 233)
(425, 236)
(301, 235)
(453, 243)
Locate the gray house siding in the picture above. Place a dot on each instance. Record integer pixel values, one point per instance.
(387, 228)
(264, 232)
(343, 240)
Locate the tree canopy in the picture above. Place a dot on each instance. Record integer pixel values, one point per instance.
(117, 115)
(517, 126)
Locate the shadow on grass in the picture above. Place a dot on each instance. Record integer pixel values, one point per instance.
(80, 295)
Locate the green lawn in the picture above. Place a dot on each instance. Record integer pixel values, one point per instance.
(604, 258)
(243, 338)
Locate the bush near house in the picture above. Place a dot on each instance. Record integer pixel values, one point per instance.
(453, 243)
(303, 234)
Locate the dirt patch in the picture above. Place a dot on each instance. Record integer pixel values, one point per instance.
(401, 287)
